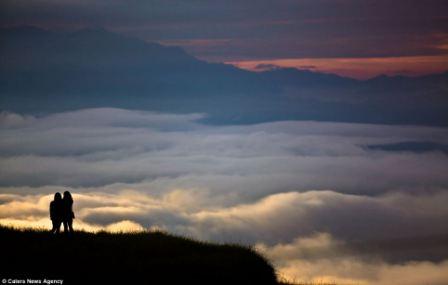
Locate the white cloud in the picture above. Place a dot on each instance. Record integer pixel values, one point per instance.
(320, 258)
(277, 218)
(283, 225)
(130, 170)
(105, 146)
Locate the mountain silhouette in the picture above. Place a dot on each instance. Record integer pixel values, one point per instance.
(44, 71)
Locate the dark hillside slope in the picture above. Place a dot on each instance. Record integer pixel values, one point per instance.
(138, 258)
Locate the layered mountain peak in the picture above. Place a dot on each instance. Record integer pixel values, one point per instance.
(32, 47)
(48, 71)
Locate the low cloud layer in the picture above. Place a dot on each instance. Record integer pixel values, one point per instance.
(336, 263)
(310, 236)
(104, 146)
(315, 197)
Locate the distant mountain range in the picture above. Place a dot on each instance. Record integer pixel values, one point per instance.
(44, 71)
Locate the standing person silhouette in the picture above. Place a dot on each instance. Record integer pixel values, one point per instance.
(56, 212)
(68, 215)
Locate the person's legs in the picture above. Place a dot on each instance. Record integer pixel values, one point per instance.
(65, 226)
(53, 229)
(56, 226)
(70, 225)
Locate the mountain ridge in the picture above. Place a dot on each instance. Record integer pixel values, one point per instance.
(43, 71)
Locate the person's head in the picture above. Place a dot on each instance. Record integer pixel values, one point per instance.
(57, 196)
(68, 196)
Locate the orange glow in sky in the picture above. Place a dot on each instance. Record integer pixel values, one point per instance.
(360, 68)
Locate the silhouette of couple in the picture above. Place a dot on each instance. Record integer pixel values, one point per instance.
(61, 212)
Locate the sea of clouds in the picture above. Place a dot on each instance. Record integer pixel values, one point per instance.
(314, 197)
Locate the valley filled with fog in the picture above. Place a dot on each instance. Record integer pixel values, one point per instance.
(309, 195)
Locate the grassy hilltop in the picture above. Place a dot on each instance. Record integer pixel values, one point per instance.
(128, 258)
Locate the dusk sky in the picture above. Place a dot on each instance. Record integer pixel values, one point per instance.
(332, 179)
(355, 38)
